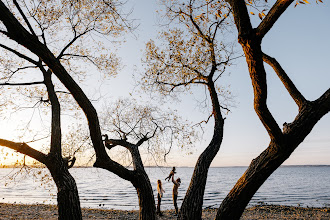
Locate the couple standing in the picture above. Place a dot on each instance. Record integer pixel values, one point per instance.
(176, 184)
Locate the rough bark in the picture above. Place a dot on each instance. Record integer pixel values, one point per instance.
(143, 187)
(67, 193)
(147, 208)
(192, 204)
(138, 177)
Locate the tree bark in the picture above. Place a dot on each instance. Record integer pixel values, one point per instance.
(143, 187)
(192, 204)
(145, 194)
(138, 177)
(67, 193)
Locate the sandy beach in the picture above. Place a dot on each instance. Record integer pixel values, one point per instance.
(49, 212)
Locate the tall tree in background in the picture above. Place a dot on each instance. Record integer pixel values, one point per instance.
(191, 56)
(67, 193)
(282, 142)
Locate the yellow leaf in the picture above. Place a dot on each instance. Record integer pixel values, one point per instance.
(251, 13)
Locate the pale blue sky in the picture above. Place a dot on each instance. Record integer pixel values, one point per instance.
(299, 41)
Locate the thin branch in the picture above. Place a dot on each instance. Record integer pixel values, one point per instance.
(22, 84)
(70, 43)
(24, 17)
(219, 23)
(289, 85)
(272, 16)
(19, 54)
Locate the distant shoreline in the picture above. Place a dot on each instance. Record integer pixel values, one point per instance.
(307, 165)
(19, 211)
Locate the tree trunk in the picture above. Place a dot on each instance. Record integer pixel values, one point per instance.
(269, 160)
(192, 204)
(146, 197)
(232, 207)
(141, 182)
(67, 193)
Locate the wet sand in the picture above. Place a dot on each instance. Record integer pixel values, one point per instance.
(49, 212)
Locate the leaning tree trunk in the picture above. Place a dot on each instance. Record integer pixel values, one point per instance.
(67, 193)
(269, 160)
(192, 204)
(233, 206)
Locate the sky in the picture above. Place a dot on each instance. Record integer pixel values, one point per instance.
(299, 41)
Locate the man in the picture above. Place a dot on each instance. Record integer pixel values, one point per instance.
(176, 185)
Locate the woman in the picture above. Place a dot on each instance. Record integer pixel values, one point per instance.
(176, 185)
(160, 195)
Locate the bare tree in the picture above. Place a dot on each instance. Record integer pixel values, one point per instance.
(192, 56)
(134, 126)
(282, 142)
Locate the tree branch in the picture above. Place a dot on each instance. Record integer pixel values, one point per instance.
(24, 17)
(289, 85)
(22, 84)
(324, 102)
(241, 16)
(56, 135)
(252, 50)
(114, 142)
(272, 16)
(69, 44)
(25, 149)
(19, 54)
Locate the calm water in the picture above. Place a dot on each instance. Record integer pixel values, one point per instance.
(301, 185)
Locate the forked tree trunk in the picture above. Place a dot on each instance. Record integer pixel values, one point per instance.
(269, 160)
(67, 193)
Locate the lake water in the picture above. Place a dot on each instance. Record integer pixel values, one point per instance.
(289, 185)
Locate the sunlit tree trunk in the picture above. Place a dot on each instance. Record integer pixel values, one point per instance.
(283, 142)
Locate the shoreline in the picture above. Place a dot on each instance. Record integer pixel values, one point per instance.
(39, 211)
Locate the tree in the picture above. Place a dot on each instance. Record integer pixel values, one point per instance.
(282, 142)
(31, 31)
(134, 126)
(85, 18)
(191, 55)
(67, 192)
